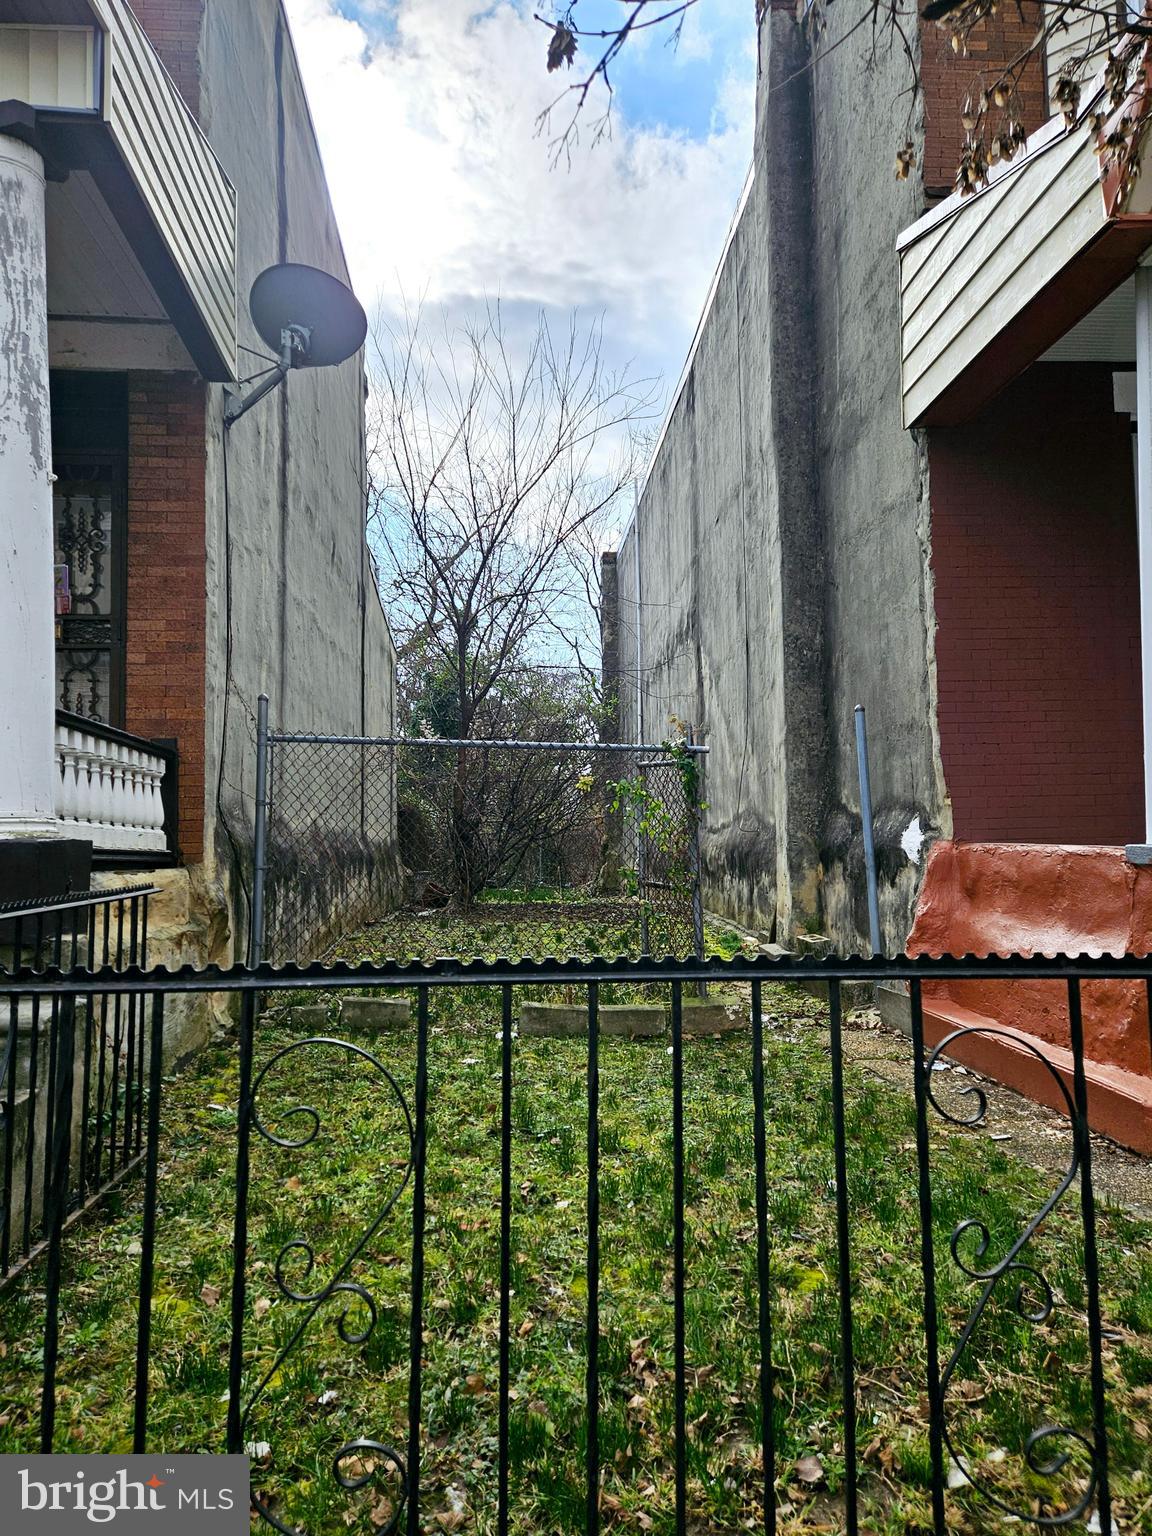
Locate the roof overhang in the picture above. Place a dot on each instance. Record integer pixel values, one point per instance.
(989, 282)
(153, 166)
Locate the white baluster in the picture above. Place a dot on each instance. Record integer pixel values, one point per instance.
(106, 801)
(85, 770)
(66, 768)
(157, 822)
(143, 790)
(122, 784)
(132, 797)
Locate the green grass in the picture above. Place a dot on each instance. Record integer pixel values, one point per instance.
(1015, 1376)
(540, 922)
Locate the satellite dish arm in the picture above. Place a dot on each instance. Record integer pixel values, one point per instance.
(295, 341)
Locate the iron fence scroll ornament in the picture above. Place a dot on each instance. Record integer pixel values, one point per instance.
(1036, 1309)
(295, 1265)
(285, 1120)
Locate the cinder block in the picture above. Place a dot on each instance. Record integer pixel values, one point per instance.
(895, 1005)
(634, 1020)
(312, 1017)
(560, 1021)
(556, 1021)
(712, 1016)
(374, 1014)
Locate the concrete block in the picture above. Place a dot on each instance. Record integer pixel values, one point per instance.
(556, 1021)
(570, 1020)
(713, 1016)
(812, 946)
(636, 1021)
(895, 1006)
(313, 1018)
(374, 1014)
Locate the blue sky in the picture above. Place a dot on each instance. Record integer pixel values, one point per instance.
(426, 111)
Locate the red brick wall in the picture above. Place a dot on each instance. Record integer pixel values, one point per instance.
(174, 29)
(166, 578)
(1037, 610)
(948, 79)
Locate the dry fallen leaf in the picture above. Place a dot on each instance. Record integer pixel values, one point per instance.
(358, 1466)
(262, 1308)
(209, 1294)
(810, 1469)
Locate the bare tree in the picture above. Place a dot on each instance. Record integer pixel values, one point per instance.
(489, 465)
(1090, 35)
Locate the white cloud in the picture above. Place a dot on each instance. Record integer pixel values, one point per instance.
(444, 191)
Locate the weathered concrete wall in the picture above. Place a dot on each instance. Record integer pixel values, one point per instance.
(776, 569)
(289, 577)
(873, 491)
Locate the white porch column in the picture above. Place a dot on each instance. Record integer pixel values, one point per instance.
(27, 624)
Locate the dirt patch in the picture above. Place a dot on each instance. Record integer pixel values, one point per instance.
(1035, 1134)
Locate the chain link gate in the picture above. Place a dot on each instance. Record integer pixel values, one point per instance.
(427, 848)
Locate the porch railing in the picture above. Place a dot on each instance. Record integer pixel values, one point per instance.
(973, 1265)
(100, 1074)
(115, 788)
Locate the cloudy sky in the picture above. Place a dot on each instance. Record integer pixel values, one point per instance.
(426, 111)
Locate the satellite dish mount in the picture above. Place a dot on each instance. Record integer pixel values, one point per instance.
(310, 319)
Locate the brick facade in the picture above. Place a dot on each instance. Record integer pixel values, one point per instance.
(948, 79)
(166, 608)
(1038, 616)
(173, 27)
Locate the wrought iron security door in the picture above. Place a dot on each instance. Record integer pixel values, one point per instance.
(88, 511)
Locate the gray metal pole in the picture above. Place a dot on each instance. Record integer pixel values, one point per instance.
(642, 868)
(260, 836)
(869, 833)
(697, 890)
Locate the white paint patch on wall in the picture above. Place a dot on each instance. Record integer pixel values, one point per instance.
(912, 839)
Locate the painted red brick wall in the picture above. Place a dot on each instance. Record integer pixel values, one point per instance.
(173, 26)
(948, 79)
(166, 578)
(1037, 610)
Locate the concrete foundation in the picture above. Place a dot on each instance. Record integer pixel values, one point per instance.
(713, 1016)
(564, 1020)
(372, 1015)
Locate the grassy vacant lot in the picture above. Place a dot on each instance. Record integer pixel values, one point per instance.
(1015, 1376)
(540, 921)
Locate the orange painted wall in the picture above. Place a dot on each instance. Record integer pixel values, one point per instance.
(1003, 898)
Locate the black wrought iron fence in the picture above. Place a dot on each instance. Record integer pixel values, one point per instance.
(1011, 1298)
(458, 847)
(69, 1061)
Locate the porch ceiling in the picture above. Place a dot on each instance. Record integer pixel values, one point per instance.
(92, 269)
(992, 282)
(148, 188)
(1106, 335)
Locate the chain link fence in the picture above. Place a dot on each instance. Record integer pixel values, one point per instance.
(414, 849)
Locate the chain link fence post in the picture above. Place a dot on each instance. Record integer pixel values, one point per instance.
(693, 809)
(259, 836)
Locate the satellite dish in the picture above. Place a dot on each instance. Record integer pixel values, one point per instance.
(308, 318)
(311, 305)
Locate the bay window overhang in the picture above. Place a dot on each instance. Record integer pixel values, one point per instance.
(80, 80)
(989, 282)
